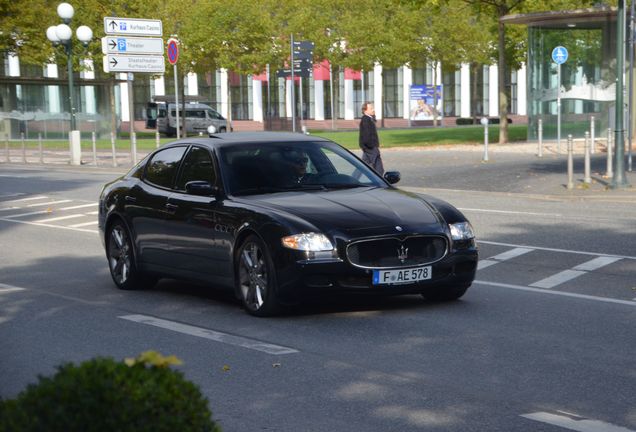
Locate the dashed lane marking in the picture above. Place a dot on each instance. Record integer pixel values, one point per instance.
(38, 197)
(59, 218)
(79, 225)
(79, 206)
(49, 203)
(556, 250)
(575, 423)
(4, 288)
(216, 336)
(513, 253)
(579, 270)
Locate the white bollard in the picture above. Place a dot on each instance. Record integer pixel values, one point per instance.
(157, 139)
(540, 136)
(112, 146)
(610, 172)
(40, 148)
(587, 175)
(24, 160)
(6, 147)
(94, 140)
(484, 121)
(592, 135)
(570, 162)
(133, 150)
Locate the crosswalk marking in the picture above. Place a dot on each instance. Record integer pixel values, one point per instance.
(575, 423)
(39, 197)
(581, 269)
(60, 218)
(79, 225)
(93, 213)
(79, 206)
(14, 216)
(48, 203)
(504, 256)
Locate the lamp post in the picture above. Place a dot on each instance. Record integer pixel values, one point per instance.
(62, 34)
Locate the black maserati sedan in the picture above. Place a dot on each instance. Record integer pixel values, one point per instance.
(277, 217)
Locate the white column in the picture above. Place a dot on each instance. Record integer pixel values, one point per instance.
(493, 91)
(288, 99)
(522, 91)
(53, 91)
(319, 100)
(224, 93)
(257, 100)
(377, 90)
(465, 90)
(348, 100)
(406, 93)
(578, 104)
(438, 74)
(89, 91)
(193, 84)
(14, 65)
(160, 86)
(123, 92)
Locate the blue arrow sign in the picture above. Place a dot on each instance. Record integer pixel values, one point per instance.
(560, 55)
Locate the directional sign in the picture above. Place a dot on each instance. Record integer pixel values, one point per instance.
(283, 73)
(132, 27)
(305, 55)
(560, 55)
(133, 63)
(303, 46)
(132, 45)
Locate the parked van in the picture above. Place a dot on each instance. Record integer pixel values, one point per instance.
(198, 118)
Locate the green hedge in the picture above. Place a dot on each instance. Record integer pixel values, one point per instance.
(102, 394)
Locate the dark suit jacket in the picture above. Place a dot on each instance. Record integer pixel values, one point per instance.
(368, 139)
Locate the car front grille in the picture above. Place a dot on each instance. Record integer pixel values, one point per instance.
(397, 252)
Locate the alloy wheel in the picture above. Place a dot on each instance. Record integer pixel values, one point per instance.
(253, 276)
(119, 254)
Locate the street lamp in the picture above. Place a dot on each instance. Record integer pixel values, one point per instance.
(62, 34)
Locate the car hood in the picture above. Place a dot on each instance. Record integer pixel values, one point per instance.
(357, 210)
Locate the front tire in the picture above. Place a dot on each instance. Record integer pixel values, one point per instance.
(121, 261)
(256, 278)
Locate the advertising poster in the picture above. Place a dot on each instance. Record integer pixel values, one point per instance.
(422, 102)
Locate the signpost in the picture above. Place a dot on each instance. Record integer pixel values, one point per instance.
(559, 56)
(301, 65)
(173, 56)
(126, 53)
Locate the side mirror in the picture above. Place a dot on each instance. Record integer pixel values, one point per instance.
(200, 188)
(211, 130)
(392, 176)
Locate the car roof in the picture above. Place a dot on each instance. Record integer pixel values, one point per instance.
(238, 138)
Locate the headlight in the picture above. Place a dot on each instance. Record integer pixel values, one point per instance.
(462, 231)
(310, 242)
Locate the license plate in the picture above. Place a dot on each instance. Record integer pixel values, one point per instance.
(401, 276)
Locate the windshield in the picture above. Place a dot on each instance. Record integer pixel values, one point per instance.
(278, 167)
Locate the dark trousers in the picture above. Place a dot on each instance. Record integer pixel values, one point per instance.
(374, 160)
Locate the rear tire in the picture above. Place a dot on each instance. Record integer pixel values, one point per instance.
(256, 278)
(445, 293)
(121, 260)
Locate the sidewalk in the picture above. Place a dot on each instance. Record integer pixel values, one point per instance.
(511, 168)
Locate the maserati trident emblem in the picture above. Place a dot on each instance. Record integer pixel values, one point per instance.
(399, 228)
(403, 253)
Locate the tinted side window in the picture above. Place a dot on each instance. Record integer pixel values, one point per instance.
(197, 165)
(162, 168)
(195, 113)
(214, 115)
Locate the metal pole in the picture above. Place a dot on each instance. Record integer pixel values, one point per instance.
(333, 114)
(619, 180)
(484, 121)
(94, 142)
(570, 162)
(112, 146)
(592, 135)
(559, 108)
(300, 81)
(540, 133)
(71, 92)
(587, 175)
(40, 148)
(133, 139)
(631, 86)
(6, 146)
(293, 85)
(131, 118)
(176, 101)
(24, 160)
(610, 171)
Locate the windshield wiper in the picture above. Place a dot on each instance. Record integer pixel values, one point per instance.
(259, 190)
(343, 185)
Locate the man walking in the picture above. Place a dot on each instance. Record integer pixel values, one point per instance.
(369, 141)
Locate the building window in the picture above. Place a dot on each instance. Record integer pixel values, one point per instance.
(451, 79)
(393, 91)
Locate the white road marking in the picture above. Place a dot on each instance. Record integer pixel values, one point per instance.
(504, 256)
(558, 293)
(93, 213)
(557, 250)
(79, 206)
(39, 197)
(575, 423)
(511, 212)
(48, 203)
(558, 279)
(73, 216)
(211, 334)
(11, 195)
(49, 225)
(4, 288)
(79, 225)
(581, 269)
(596, 263)
(10, 208)
(26, 214)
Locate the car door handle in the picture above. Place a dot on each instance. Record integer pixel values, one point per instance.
(172, 207)
(130, 198)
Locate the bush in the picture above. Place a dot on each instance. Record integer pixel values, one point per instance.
(462, 121)
(101, 394)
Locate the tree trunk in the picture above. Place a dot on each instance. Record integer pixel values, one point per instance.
(474, 96)
(503, 99)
